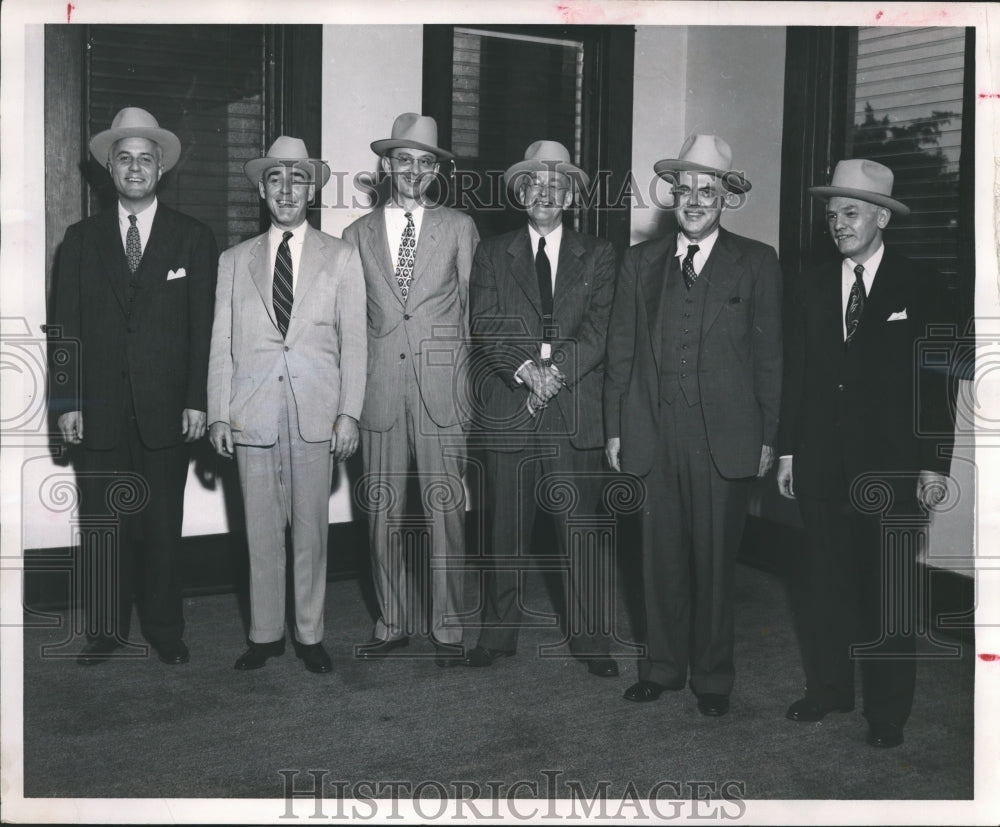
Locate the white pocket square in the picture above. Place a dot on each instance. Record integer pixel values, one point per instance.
(176, 274)
(895, 317)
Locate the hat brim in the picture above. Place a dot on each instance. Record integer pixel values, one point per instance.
(572, 171)
(255, 169)
(383, 146)
(826, 193)
(731, 179)
(169, 143)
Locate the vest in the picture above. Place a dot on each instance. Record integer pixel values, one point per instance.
(681, 311)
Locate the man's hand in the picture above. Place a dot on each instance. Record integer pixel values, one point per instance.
(541, 381)
(221, 437)
(345, 437)
(766, 460)
(932, 489)
(612, 451)
(786, 485)
(71, 427)
(535, 403)
(193, 424)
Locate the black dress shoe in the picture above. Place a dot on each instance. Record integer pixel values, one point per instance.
(885, 736)
(174, 654)
(650, 690)
(97, 651)
(258, 653)
(713, 705)
(315, 658)
(379, 648)
(602, 667)
(447, 655)
(481, 656)
(809, 710)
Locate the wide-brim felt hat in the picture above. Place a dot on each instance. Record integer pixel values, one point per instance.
(705, 153)
(133, 122)
(413, 131)
(865, 180)
(287, 151)
(546, 156)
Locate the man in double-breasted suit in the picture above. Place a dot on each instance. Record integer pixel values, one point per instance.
(691, 402)
(285, 387)
(134, 286)
(540, 299)
(862, 422)
(416, 260)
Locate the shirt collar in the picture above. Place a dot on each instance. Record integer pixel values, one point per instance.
(552, 238)
(276, 234)
(704, 246)
(871, 266)
(141, 217)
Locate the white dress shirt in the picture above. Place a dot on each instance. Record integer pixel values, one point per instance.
(395, 223)
(274, 238)
(143, 221)
(704, 250)
(847, 279)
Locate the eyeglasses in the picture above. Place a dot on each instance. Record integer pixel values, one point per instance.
(425, 164)
(702, 195)
(545, 186)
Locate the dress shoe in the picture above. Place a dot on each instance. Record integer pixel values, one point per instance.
(315, 658)
(447, 655)
(884, 735)
(809, 710)
(97, 651)
(481, 656)
(713, 705)
(602, 667)
(258, 653)
(650, 690)
(174, 653)
(379, 648)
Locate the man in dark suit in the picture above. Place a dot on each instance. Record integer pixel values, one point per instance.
(540, 297)
(135, 286)
(285, 385)
(691, 399)
(416, 258)
(848, 426)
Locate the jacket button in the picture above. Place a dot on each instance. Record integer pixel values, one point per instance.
(130, 330)
(840, 387)
(402, 355)
(287, 348)
(406, 317)
(281, 378)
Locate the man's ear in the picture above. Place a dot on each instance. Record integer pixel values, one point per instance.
(568, 198)
(261, 190)
(882, 218)
(386, 165)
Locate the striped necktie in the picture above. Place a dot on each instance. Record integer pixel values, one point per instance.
(281, 290)
(855, 303)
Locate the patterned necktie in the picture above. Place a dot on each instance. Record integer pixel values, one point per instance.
(855, 303)
(281, 288)
(407, 250)
(133, 246)
(688, 266)
(544, 272)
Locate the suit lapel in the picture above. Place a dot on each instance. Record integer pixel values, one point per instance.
(378, 249)
(261, 273)
(156, 255)
(722, 270)
(310, 264)
(654, 275)
(570, 267)
(522, 267)
(882, 299)
(113, 255)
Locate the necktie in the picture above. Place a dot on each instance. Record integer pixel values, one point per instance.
(544, 272)
(133, 246)
(688, 266)
(855, 303)
(281, 287)
(407, 250)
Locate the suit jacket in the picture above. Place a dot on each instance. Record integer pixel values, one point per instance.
(739, 360)
(849, 410)
(322, 357)
(154, 340)
(431, 327)
(506, 319)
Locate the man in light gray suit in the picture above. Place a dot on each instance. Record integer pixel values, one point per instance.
(417, 259)
(285, 387)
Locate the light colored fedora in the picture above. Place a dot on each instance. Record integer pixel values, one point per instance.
(546, 156)
(413, 131)
(133, 122)
(705, 153)
(865, 180)
(287, 151)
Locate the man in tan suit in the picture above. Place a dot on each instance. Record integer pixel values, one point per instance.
(417, 259)
(285, 386)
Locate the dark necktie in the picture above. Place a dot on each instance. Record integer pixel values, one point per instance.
(688, 266)
(544, 272)
(133, 246)
(281, 288)
(407, 251)
(855, 303)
